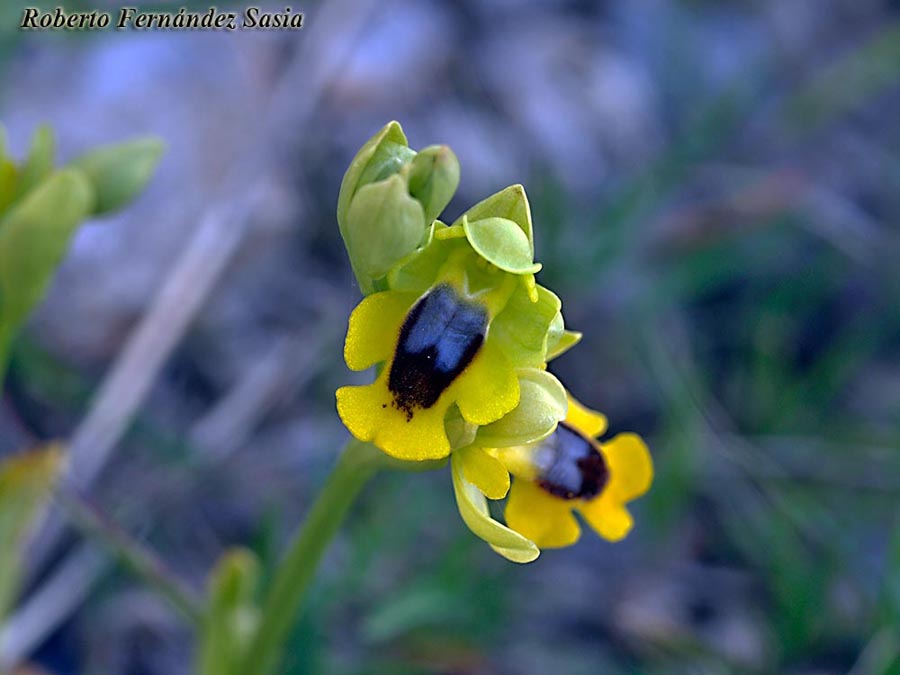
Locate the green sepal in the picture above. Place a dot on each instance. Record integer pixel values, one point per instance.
(380, 154)
(119, 172)
(523, 327)
(473, 509)
(459, 432)
(510, 203)
(433, 179)
(560, 340)
(542, 405)
(39, 163)
(26, 483)
(567, 340)
(384, 225)
(232, 616)
(418, 271)
(502, 243)
(34, 236)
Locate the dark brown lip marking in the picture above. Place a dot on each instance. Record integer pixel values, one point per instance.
(577, 470)
(441, 335)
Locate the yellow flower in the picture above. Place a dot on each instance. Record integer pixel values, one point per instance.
(437, 352)
(572, 471)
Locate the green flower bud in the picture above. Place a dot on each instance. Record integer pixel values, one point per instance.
(388, 196)
(118, 173)
(381, 156)
(231, 615)
(384, 224)
(34, 236)
(433, 179)
(39, 164)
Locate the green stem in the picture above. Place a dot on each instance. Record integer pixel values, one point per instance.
(358, 463)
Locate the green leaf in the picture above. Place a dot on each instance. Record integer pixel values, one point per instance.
(502, 243)
(510, 203)
(26, 482)
(474, 511)
(523, 327)
(34, 236)
(39, 164)
(119, 172)
(232, 615)
(542, 405)
(9, 178)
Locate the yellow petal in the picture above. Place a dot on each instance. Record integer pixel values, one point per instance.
(370, 415)
(485, 472)
(630, 475)
(608, 517)
(544, 519)
(488, 388)
(587, 421)
(630, 467)
(374, 328)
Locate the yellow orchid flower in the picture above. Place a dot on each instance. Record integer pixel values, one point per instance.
(572, 471)
(451, 334)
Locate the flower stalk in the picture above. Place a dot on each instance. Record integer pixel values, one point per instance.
(357, 464)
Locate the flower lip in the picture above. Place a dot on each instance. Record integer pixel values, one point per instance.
(570, 465)
(439, 338)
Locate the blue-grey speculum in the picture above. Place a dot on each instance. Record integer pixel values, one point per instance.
(441, 335)
(570, 466)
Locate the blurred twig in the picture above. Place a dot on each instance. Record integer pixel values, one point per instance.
(67, 587)
(140, 560)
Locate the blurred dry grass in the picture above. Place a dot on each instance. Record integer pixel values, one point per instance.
(716, 189)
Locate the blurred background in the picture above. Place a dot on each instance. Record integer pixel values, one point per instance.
(716, 195)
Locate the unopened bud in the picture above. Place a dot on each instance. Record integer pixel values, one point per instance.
(383, 225)
(433, 179)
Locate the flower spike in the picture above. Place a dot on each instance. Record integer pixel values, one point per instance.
(460, 333)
